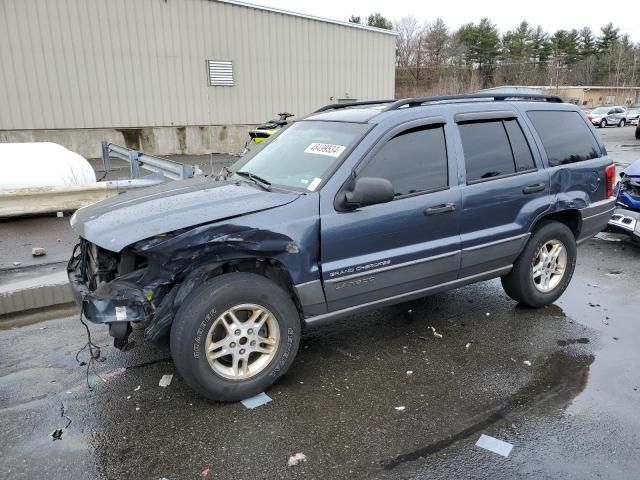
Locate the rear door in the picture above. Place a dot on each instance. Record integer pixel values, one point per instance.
(505, 189)
(405, 245)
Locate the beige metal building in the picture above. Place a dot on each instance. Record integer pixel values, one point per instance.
(583, 96)
(175, 76)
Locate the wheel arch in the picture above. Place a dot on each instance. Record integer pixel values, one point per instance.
(570, 217)
(267, 267)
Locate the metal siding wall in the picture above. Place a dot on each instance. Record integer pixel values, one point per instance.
(123, 63)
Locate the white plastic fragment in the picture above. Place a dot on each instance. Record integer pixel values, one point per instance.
(107, 377)
(38, 251)
(296, 459)
(527, 363)
(435, 334)
(409, 372)
(494, 445)
(467, 346)
(401, 408)
(59, 214)
(165, 381)
(137, 388)
(488, 314)
(257, 401)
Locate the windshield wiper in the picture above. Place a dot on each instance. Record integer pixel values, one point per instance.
(256, 179)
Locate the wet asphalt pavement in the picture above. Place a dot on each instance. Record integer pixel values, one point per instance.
(573, 413)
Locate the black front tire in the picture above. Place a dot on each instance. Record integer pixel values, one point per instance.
(196, 316)
(519, 283)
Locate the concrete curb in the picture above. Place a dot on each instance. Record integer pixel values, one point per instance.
(52, 289)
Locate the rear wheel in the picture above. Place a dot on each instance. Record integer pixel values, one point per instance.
(621, 124)
(544, 269)
(603, 123)
(235, 336)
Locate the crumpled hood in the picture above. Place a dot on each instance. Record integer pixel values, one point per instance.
(139, 214)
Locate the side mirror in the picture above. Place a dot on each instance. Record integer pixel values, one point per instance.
(369, 191)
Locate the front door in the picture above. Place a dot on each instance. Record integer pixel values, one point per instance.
(405, 245)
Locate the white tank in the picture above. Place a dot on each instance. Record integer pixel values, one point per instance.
(42, 164)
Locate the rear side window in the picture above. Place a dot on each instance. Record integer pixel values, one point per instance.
(565, 136)
(519, 146)
(495, 148)
(413, 161)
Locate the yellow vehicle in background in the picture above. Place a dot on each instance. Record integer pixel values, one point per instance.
(264, 131)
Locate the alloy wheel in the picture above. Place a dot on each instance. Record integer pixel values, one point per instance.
(242, 341)
(549, 266)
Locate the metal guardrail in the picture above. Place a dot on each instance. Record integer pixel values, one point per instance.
(138, 160)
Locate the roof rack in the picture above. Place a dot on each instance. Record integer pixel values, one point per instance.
(496, 97)
(338, 106)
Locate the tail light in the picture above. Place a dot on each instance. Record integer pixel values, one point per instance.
(610, 172)
(589, 117)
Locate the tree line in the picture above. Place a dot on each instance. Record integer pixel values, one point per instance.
(431, 58)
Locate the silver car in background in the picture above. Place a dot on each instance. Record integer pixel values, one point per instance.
(633, 115)
(608, 116)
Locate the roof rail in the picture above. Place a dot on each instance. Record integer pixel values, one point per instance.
(337, 106)
(496, 97)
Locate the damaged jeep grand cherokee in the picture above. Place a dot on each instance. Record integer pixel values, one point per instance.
(354, 207)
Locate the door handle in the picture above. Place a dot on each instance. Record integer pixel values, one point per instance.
(536, 187)
(439, 209)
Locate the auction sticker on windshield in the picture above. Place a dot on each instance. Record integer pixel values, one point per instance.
(325, 149)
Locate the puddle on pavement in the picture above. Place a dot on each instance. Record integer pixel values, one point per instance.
(558, 381)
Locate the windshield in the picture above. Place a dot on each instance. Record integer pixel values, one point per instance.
(601, 110)
(302, 155)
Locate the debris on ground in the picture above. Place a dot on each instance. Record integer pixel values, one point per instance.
(594, 304)
(257, 401)
(296, 459)
(527, 363)
(609, 237)
(59, 214)
(467, 346)
(165, 381)
(17, 264)
(38, 251)
(494, 445)
(205, 472)
(43, 328)
(488, 314)
(107, 377)
(57, 434)
(435, 334)
(137, 388)
(401, 408)
(409, 372)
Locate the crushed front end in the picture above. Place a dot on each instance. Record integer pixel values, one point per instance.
(115, 289)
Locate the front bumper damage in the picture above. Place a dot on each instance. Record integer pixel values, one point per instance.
(626, 221)
(148, 281)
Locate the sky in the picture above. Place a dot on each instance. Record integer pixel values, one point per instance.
(551, 14)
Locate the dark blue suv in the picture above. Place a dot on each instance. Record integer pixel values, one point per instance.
(353, 207)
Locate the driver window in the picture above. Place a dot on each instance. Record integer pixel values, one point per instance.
(413, 161)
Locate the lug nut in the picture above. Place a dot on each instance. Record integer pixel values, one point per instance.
(250, 331)
(253, 343)
(242, 351)
(237, 332)
(232, 344)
